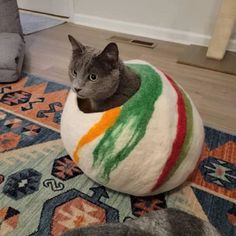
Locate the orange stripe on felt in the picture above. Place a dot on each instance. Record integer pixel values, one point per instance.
(107, 120)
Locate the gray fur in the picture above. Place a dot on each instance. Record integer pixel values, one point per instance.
(115, 83)
(165, 222)
(107, 230)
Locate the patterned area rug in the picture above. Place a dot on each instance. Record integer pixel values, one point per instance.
(42, 192)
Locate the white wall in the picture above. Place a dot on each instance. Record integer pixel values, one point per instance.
(156, 18)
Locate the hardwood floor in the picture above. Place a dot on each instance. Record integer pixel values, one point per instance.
(214, 93)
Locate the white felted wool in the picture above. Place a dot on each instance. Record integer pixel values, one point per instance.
(149, 145)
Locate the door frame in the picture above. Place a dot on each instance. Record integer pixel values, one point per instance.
(72, 10)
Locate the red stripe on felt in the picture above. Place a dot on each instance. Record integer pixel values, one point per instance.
(179, 139)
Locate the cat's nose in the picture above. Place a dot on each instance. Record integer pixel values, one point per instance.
(77, 90)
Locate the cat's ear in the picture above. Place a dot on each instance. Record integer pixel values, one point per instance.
(76, 45)
(110, 54)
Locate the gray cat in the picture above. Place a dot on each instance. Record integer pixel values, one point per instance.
(99, 78)
(165, 222)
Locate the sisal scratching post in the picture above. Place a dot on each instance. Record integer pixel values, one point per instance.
(223, 30)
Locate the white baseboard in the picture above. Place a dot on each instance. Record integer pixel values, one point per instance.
(166, 34)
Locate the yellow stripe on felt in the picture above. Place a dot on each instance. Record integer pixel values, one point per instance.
(107, 120)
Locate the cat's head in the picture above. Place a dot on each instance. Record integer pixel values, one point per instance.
(94, 74)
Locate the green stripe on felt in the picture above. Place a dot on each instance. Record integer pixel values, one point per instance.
(134, 118)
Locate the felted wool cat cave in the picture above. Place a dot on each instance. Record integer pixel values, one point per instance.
(149, 145)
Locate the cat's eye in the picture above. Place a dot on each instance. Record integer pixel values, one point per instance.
(92, 77)
(74, 73)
